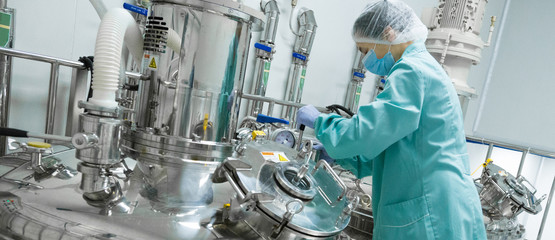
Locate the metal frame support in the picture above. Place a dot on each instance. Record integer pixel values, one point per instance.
(490, 150)
(546, 212)
(522, 159)
(52, 92)
(78, 91)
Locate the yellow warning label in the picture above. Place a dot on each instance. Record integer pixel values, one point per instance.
(152, 63)
(282, 158)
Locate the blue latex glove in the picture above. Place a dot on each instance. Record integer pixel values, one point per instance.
(323, 154)
(307, 115)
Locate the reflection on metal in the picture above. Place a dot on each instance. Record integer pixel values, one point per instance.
(503, 198)
(187, 107)
(264, 54)
(355, 85)
(301, 55)
(284, 199)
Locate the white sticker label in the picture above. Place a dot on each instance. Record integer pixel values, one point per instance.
(151, 62)
(274, 156)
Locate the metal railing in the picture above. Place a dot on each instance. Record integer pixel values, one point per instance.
(78, 89)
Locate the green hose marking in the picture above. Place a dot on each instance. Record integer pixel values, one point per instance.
(357, 95)
(5, 28)
(301, 84)
(266, 74)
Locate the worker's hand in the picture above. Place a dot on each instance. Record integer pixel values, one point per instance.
(307, 115)
(323, 154)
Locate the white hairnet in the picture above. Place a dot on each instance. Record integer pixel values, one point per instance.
(370, 26)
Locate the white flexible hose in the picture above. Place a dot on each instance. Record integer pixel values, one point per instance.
(99, 7)
(116, 24)
(174, 40)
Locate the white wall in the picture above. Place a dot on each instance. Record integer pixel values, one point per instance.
(68, 30)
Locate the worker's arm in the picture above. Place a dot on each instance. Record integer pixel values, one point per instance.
(394, 115)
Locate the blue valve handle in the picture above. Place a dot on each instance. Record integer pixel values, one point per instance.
(261, 118)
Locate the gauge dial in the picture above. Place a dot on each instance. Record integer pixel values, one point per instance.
(285, 137)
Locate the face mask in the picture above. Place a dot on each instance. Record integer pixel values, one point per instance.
(380, 67)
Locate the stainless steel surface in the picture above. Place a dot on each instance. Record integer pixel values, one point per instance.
(203, 104)
(52, 92)
(5, 78)
(93, 178)
(504, 196)
(490, 150)
(264, 58)
(318, 220)
(43, 212)
(108, 133)
(547, 207)
(84, 140)
(297, 72)
(168, 164)
(355, 85)
(78, 91)
(271, 10)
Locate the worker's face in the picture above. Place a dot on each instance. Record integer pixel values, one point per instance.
(379, 49)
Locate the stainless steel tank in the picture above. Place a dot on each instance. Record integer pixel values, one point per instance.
(186, 112)
(281, 194)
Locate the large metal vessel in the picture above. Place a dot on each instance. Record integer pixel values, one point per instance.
(187, 110)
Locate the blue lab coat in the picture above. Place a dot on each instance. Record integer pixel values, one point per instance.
(411, 140)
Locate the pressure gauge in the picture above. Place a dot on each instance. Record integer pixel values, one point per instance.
(284, 136)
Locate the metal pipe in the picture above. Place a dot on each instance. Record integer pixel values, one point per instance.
(52, 90)
(522, 159)
(515, 147)
(490, 150)
(355, 85)
(134, 75)
(271, 100)
(546, 212)
(271, 10)
(5, 77)
(264, 54)
(41, 58)
(78, 91)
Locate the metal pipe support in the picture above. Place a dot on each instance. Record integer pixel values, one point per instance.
(546, 212)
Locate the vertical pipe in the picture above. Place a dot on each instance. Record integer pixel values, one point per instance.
(490, 149)
(79, 89)
(521, 165)
(546, 212)
(52, 89)
(5, 77)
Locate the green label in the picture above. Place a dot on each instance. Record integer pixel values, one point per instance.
(357, 96)
(301, 84)
(266, 74)
(5, 28)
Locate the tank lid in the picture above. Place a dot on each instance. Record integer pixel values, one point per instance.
(226, 7)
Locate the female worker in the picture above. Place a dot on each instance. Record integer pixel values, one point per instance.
(410, 139)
